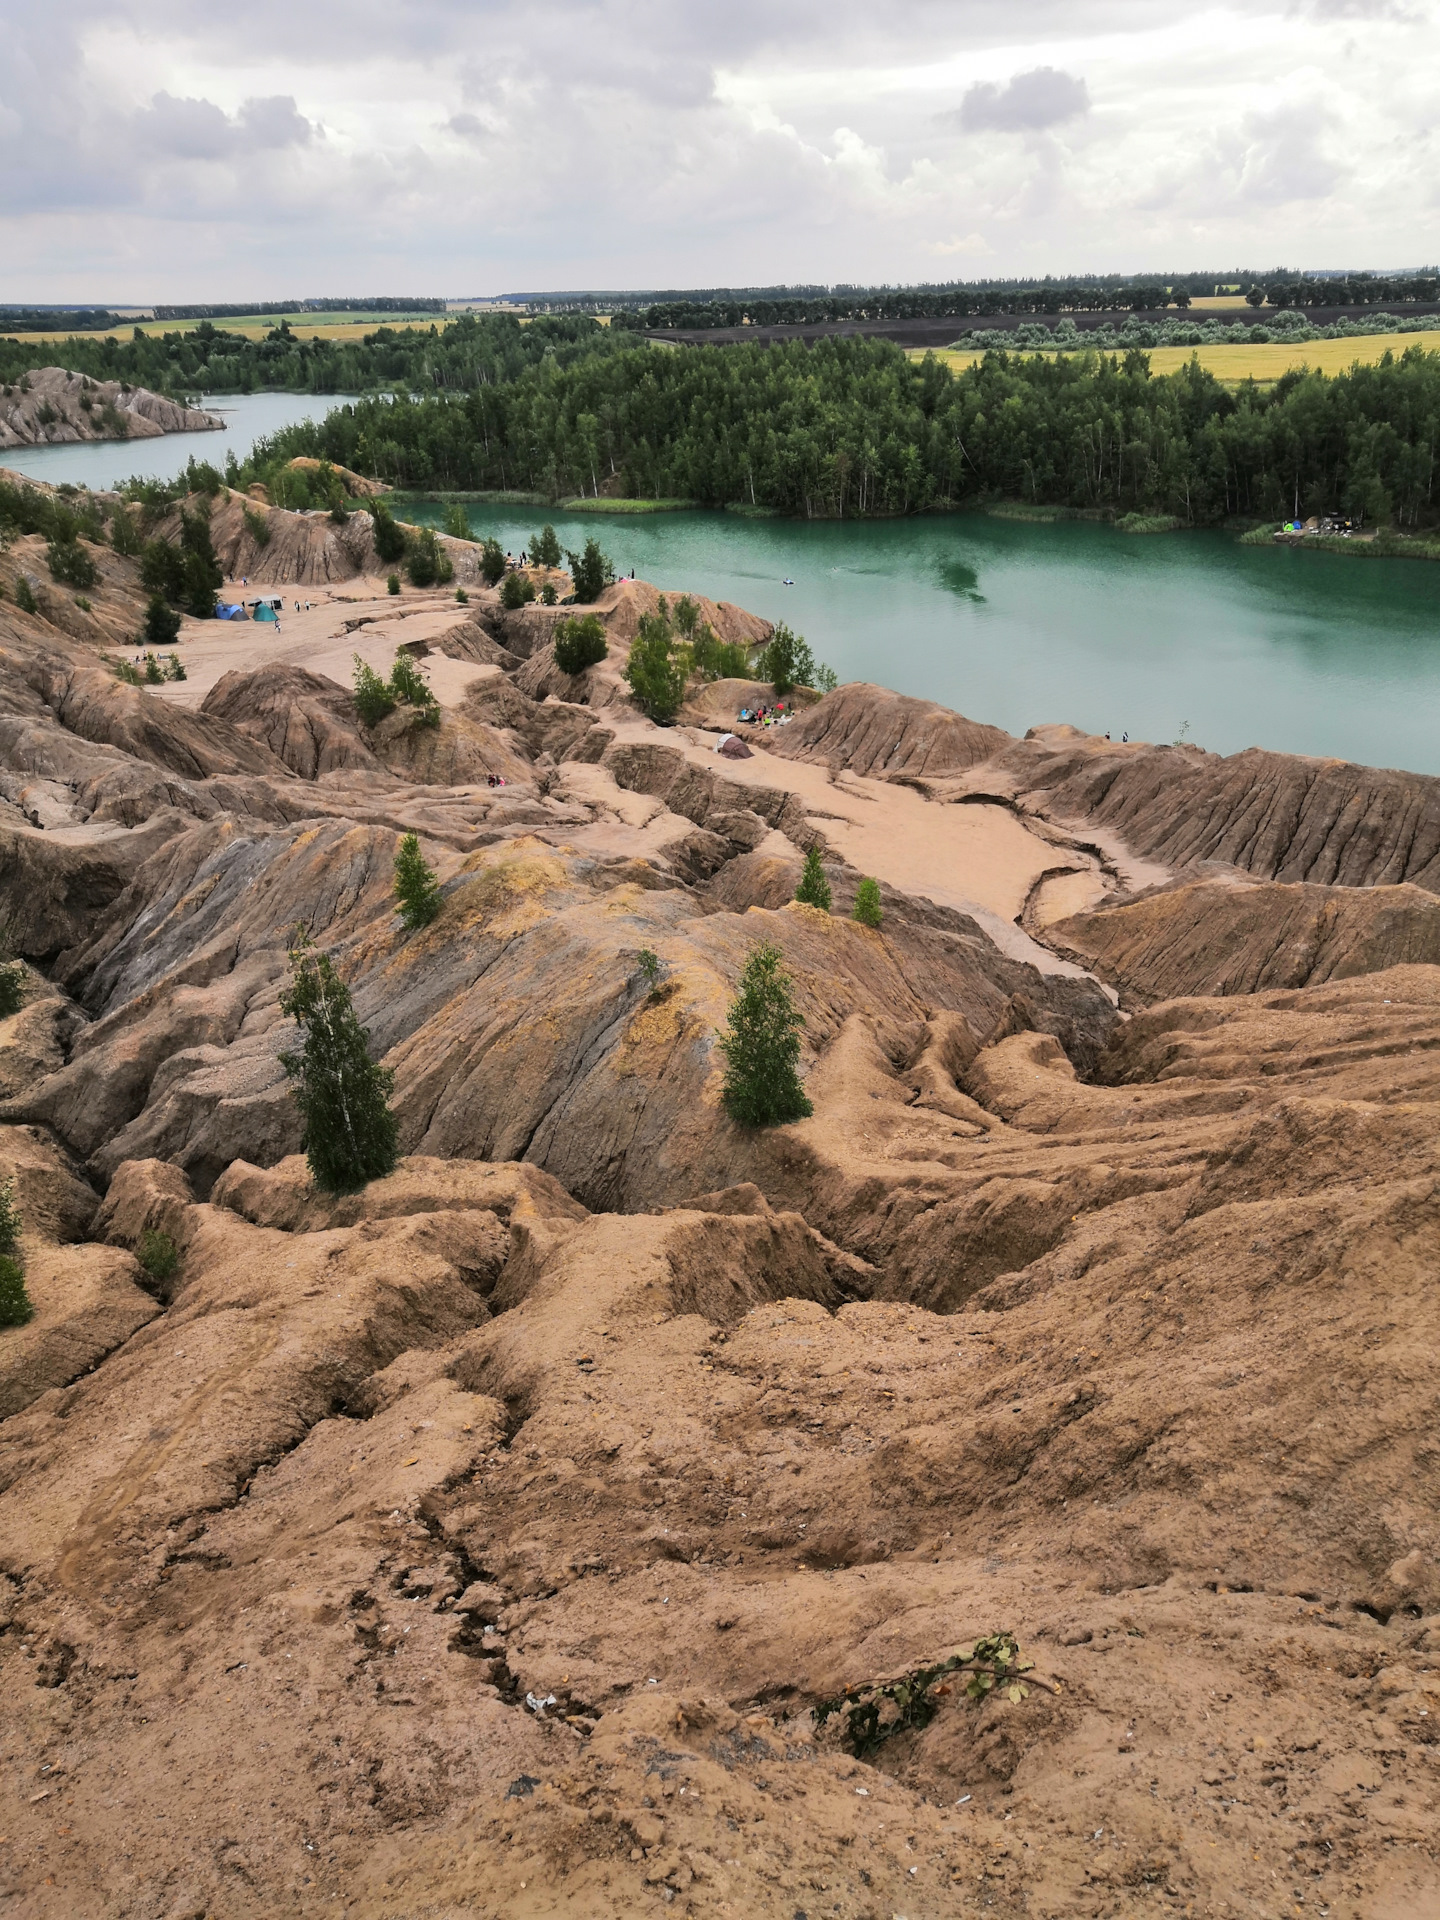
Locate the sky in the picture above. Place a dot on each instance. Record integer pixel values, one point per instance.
(152, 150)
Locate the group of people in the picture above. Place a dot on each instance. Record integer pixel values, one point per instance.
(496, 780)
(775, 716)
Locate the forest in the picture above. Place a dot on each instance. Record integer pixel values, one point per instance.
(853, 427)
(474, 350)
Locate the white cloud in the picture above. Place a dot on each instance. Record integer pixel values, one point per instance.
(467, 146)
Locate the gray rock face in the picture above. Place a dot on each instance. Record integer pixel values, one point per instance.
(57, 407)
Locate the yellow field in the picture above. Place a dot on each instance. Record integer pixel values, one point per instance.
(1234, 364)
(307, 326)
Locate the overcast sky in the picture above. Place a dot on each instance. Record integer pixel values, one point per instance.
(151, 149)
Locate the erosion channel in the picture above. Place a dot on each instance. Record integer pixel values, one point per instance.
(486, 1542)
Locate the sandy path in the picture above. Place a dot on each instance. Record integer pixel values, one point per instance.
(978, 859)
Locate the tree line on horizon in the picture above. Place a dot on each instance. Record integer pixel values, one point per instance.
(850, 428)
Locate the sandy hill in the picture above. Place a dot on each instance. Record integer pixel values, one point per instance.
(488, 1541)
(49, 406)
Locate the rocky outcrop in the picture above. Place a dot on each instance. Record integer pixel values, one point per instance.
(870, 730)
(1217, 937)
(304, 719)
(49, 407)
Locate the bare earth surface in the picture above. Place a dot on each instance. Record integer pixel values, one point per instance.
(484, 1543)
(55, 406)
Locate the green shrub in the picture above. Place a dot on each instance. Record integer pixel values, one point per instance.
(868, 910)
(516, 591)
(787, 661)
(70, 564)
(580, 643)
(762, 1047)
(83, 604)
(157, 1254)
(548, 595)
(15, 1307)
(407, 683)
(154, 672)
(124, 536)
(492, 561)
(659, 666)
(202, 571)
(462, 598)
(417, 891)
(590, 571)
(12, 975)
(389, 540)
(814, 888)
(545, 548)
(25, 596)
(10, 1222)
(648, 962)
(373, 699)
(162, 623)
(349, 1131)
(129, 674)
(457, 523)
(427, 562)
(175, 668)
(257, 526)
(392, 584)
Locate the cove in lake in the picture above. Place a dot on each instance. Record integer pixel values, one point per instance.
(1019, 624)
(102, 464)
(1007, 622)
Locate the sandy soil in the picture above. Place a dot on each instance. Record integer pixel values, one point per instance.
(318, 639)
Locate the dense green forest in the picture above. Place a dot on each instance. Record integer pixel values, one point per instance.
(850, 427)
(475, 350)
(773, 306)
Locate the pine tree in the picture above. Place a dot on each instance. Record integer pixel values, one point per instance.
(15, 1307)
(868, 910)
(417, 891)
(350, 1132)
(814, 888)
(12, 998)
(762, 1047)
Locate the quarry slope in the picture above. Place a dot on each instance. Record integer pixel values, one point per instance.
(486, 1541)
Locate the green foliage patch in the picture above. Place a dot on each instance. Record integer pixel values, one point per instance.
(762, 1046)
(417, 891)
(350, 1134)
(580, 643)
(880, 1710)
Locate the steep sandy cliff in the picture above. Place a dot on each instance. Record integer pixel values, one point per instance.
(487, 1541)
(49, 406)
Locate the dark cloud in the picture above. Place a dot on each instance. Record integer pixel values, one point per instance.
(1044, 97)
(188, 129)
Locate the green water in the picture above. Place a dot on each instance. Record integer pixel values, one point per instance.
(1021, 624)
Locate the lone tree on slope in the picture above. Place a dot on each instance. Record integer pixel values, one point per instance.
(762, 1047)
(868, 910)
(349, 1135)
(814, 888)
(417, 891)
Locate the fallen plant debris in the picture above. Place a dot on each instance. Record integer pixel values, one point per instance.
(991, 1663)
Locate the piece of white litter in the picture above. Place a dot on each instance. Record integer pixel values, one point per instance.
(963, 1798)
(864, 1792)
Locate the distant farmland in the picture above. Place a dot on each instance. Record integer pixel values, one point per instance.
(254, 326)
(1232, 364)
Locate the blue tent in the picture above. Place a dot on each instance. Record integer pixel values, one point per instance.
(223, 612)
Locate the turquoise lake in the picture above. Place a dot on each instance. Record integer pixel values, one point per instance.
(1008, 622)
(1020, 624)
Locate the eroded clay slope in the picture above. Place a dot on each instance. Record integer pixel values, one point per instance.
(488, 1540)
